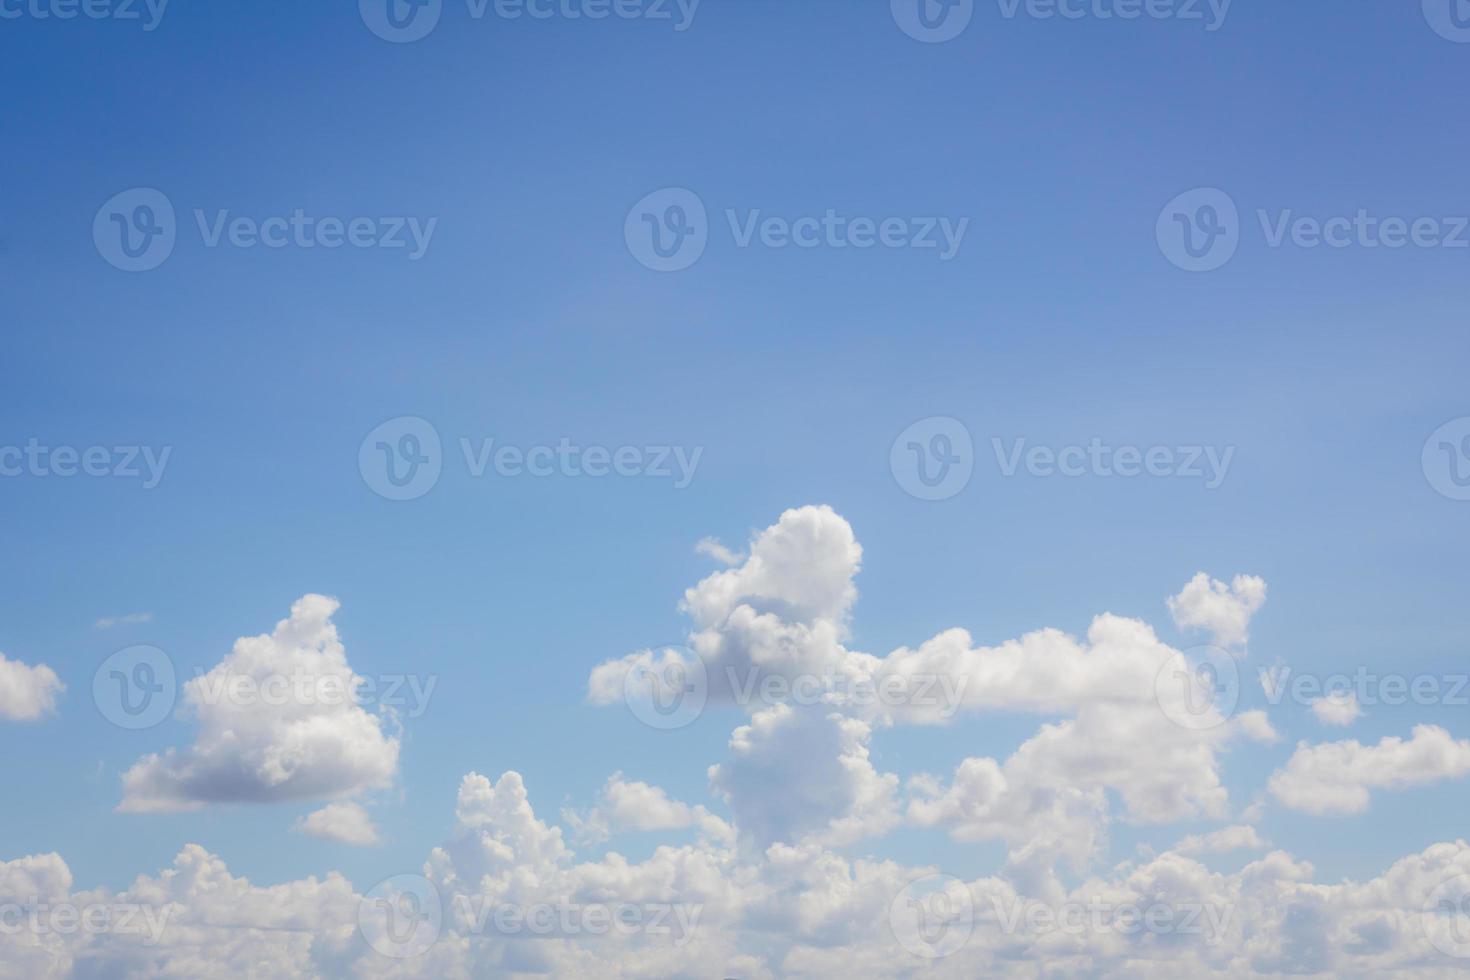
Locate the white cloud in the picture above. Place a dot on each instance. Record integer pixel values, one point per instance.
(1339, 708)
(345, 823)
(498, 831)
(1049, 801)
(130, 619)
(192, 920)
(1237, 838)
(1336, 777)
(27, 693)
(801, 568)
(717, 551)
(1224, 611)
(803, 775)
(1256, 726)
(631, 806)
(260, 738)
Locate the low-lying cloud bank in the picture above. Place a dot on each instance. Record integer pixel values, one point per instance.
(777, 873)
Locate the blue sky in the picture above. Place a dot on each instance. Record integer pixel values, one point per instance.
(527, 319)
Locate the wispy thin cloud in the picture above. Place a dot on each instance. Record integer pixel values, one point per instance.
(131, 619)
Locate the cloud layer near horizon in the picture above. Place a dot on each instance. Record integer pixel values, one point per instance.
(773, 882)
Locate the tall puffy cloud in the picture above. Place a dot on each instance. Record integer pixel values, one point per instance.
(278, 720)
(27, 693)
(803, 774)
(801, 568)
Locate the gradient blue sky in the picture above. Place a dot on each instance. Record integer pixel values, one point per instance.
(528, 321)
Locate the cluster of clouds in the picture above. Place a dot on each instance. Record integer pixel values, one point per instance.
(771, 859)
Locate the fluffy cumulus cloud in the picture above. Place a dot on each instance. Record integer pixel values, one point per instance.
(780, 613)
(777, 873)
(1222, 610)
(345, 823)
(27, 693)
(629, 806)
(278, 720)
(1338, 777)
(1339, 708)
